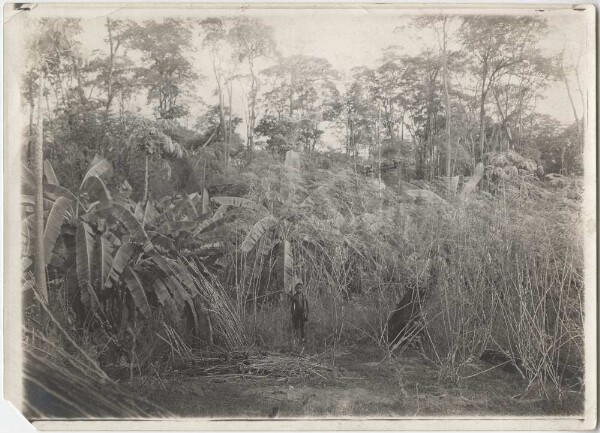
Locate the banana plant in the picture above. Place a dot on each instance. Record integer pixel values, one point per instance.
(267, 234)
(99, 245)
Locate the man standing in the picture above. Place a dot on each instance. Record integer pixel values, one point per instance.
(299, 310)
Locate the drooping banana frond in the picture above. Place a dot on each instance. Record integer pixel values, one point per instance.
(27, 235)
(161, 241)
(27, 179)
(220, 212)
(104, 258)
(136, 289)
(100, 167)
(138, 212)
(119, 262)
(84, 241)
(136, 231)
(161, 291)
(56, 218)
(53, 192)
(49, 173)
(259, 229)
(97, 191)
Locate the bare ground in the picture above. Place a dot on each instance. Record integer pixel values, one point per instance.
(366, 385)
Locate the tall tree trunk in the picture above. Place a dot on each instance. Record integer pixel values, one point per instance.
(38, 171)
(379, 148)
(252, 114)
(222, 122)
(146, 176)
(447, 97)
(292, 94)
(566, 81)
(109, 90)
(30, 141)
(482, 110)
(230, 125)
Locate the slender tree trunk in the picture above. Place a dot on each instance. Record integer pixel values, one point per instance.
(482, 127)
(230, 133)
(146, 176)
(566, 81)
(222, 125)
(30, 141)
(482, 110)
(109, 90)
(38, 171)
(379, 148)
(292, 94)
(252, 114)
(447, 97)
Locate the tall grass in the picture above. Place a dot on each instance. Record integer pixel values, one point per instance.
(499, 274)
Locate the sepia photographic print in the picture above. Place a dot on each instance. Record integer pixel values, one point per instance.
(279, 216)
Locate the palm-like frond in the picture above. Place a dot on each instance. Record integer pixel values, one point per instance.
(56, 218)
(259, 229)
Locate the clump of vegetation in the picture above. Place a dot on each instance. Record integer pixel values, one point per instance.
(442, 223)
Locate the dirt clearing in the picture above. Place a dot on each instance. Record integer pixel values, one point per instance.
(363, 385)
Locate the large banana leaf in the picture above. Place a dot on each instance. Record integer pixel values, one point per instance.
(27, 179)
(180, 295)
(84, 240)
(208, 224)
(56, 218)
(100, 167)
(220, 212)
(134, 284)
(104, 257)
(241, 202)
(53, 192)
(161, 291)
(257, 232)
(182, 298)
(206, 249)
(265, 245)
(27, 236)
(49, 173)
(28, 202)
(97, 192)
(138, 212)
(184, 276)
(161, 241)
(161, 263)
(136, 231)
(119, 262)
(167, 303)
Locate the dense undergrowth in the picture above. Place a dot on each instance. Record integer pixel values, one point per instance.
(138, 287)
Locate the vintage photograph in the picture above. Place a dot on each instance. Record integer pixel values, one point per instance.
(300, 213)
